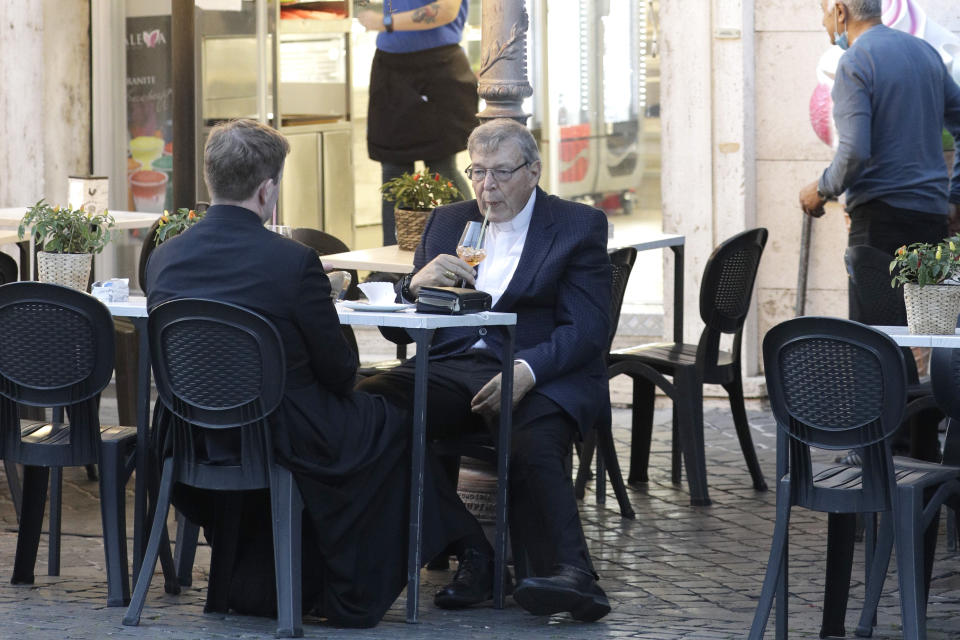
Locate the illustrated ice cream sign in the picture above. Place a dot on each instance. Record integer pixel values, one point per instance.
(149, 113)
(904, 15)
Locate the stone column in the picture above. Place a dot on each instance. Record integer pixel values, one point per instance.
(22, 75)
(45, 107)
(503, 63)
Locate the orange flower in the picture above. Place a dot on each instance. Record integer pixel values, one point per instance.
(449, 184)
(436, 177)
(902, 250)
(416, 176)
(191, 215)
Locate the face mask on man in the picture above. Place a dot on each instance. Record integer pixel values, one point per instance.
(840, 39)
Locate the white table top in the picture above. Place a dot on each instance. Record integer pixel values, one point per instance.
(643, 240)
(136, 307)
(10, 217)
(903, 337)
(409, 319)
(393, 259)
(9, 235)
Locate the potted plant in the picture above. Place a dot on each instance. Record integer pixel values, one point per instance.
(930, 293)
(172, 224)
(66, 238)
(414, 196)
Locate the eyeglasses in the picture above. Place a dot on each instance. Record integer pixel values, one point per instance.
(500, 175)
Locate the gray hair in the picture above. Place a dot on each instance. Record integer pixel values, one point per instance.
(859, 9)
(239, 155)
(490, 135)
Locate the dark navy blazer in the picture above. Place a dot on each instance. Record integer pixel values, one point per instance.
(560, 293)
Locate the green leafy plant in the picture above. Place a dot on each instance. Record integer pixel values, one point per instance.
(420, 191)
(66, 230)
(171, 224)
(923, 263)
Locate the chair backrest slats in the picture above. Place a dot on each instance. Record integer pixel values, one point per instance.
(56, 350)
(622, 262)
(835, 384)
(221, 369)
(728, 279)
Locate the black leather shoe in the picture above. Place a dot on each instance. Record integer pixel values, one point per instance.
(567, 588)
(471, 584)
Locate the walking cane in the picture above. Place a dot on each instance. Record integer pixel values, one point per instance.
(804, 265)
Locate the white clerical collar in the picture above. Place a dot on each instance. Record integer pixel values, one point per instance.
(521, 220)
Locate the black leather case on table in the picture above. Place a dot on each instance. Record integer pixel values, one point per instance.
(452, 300)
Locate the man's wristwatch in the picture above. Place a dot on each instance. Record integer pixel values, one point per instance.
(388, 23)
(405, 288)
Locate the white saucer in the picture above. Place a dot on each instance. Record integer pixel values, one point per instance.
(358, 305)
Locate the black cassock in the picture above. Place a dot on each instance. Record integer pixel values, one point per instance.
(349, 452)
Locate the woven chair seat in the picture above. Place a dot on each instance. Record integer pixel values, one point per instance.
(663, 356)
(907, 471)
(33, 432)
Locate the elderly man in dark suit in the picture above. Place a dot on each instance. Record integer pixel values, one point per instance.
(349, 451)
(546, 261)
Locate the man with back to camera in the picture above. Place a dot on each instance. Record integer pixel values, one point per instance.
(547, 262)
(892, 97)
(349, 451)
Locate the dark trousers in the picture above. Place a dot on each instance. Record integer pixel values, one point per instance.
(544, 521)
(887, 228)
(447, 167)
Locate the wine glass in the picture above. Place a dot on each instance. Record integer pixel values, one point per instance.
(470, 248)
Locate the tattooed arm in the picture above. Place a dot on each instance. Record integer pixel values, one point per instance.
(429, 16)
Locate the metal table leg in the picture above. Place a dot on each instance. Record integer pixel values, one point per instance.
(677, 293)
(24, 248)
(503, 464)
(143, 443)
(423, 337)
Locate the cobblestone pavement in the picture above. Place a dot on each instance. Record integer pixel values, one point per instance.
(674, 572)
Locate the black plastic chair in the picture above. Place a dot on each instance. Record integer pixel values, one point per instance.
(881, 304)
(724, 302)
(8, 269)
(836, 384)
(945, 377)
(9, 273)
(56, 351)
(324, 243)
(601, 436)
(219, 366)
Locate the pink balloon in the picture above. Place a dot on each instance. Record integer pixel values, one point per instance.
(821, 107)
